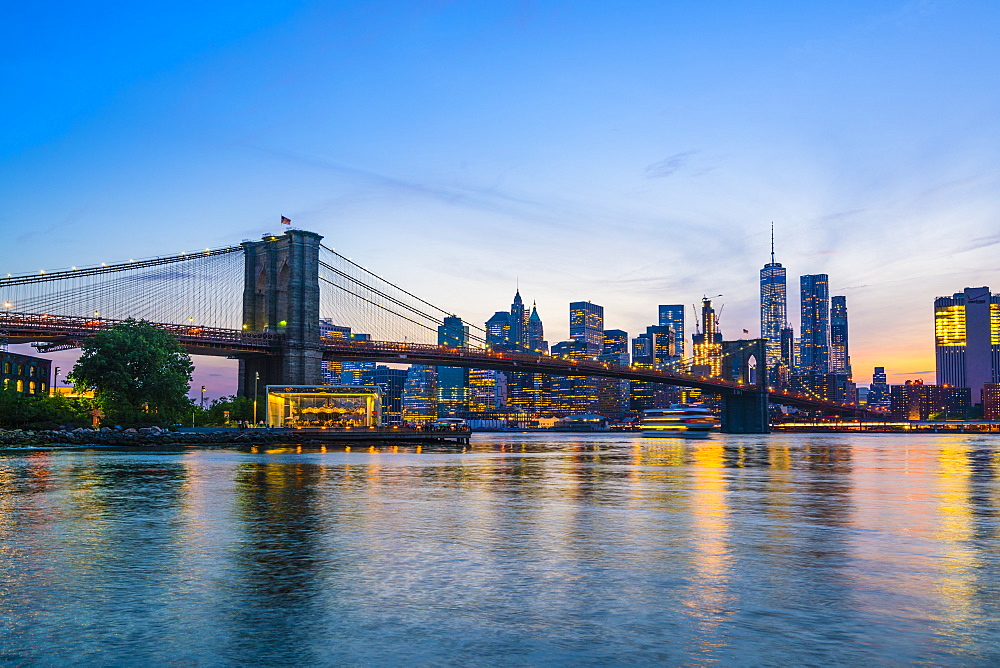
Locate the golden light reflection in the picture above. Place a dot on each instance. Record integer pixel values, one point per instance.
(956, 530)
(709, 600)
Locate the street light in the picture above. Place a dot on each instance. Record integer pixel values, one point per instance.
(256, 377)
(202, 397)
(55, 382)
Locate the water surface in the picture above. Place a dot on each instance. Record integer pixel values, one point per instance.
(523, 549)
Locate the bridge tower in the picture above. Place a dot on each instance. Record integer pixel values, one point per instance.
(281, 294)
(746, 411)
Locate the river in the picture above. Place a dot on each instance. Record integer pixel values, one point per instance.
(555, 549)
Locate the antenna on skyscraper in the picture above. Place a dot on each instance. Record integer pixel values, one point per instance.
(772, 242)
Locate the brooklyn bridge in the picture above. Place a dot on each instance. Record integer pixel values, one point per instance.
(261, 302)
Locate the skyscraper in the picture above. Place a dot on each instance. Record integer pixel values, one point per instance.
(586, 323)
(967, 340)
(840, 358)
(878, 391)
(452, 382)
(707, 348)
(536, 333)
(773, 312)
(518, 323)
(815, 335)
(420, 394)
(672, 315)
(498, 331)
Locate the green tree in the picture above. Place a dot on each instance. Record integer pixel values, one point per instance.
(140, 374)
(240, 408)
(25, 411)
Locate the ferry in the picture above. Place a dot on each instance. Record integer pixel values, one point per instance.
(683, 420)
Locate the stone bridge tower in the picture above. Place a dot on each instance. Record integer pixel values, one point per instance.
(746, 412)
(281, 294)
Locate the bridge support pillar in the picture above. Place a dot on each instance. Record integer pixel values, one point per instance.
(745, 413)
(281, 294)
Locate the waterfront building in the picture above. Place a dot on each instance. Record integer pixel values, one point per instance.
(815, 334)
(840, 357)
(707, 343)
(878, 391)
(773, 314)
(991, 401)
(25, 373)
(452, 382)
(967, 340)
(420, 395)
(390, 382)
(586, 323)
(322, 406)
(672, 315)
(916, 401)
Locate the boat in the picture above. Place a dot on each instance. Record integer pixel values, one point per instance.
(680, 420)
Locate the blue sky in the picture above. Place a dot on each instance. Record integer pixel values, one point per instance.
(630, 153)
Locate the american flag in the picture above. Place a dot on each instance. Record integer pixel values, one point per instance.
(286, 221)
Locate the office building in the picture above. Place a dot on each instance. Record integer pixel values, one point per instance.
(536, 333)
(390, 382)
(420, 395)
(487, 391)
(586, 323)
(967, 340)
(613, 393)
(573, 394)
(672, 315)
(815, 334)
(498, 331)
(840, 356)
(773, 313)
(878, 392)
(452, 381)
(615, 342)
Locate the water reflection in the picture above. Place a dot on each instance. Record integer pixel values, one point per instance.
(521, 549)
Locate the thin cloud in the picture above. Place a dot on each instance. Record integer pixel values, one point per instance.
(912, 373)
(668, 166)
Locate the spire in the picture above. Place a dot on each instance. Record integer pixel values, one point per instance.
(772, 242)
(534, 317)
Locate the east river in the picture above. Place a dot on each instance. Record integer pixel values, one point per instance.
(554, 549)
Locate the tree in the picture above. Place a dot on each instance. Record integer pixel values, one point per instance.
(140, 374)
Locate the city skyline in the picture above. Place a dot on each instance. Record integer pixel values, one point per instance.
(632, 156)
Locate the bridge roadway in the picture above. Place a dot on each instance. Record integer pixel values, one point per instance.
(478, 358)
(61, 332)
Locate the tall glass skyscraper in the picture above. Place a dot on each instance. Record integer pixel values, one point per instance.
(840, 358)
(586, 323)
(452, 382)
(815, 339)
(967, 339)
(673, 315)
(773, 311)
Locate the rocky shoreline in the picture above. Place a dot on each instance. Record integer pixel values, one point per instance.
(150, 436)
